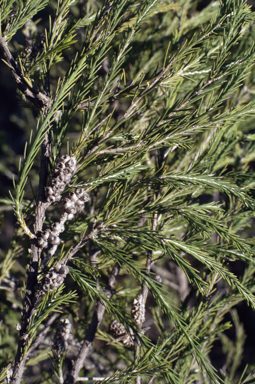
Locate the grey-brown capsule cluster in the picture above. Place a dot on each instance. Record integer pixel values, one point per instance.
(61, 176)
(50, 237)
(138, 310)
(74, 202)
(53, 279)
(61, 337)
(118, 331)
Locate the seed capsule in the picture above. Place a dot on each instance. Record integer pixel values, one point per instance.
(61, 176)
(57, 227)
(59, 279)
(73, 197)
(57, 197)
(61, 165)
(119, 332)
(51, 199)
(49, 191)
(61, 337)
(128, 341)
(45, 234)
(70, 209)
(64, 270)
(53, 239)
(52, 286)
(82, 195)
(57, 266)
(116, 329)
(71, 163)
(79, 204)
(42, 243)
(138, 310)
(18, 327)
(68, 202)
(55, 278)
(65, 158)
(57, 173)
(67, 172)
(52, 275)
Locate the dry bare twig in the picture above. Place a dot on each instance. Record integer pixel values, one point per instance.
(36, 97)
(98, 314)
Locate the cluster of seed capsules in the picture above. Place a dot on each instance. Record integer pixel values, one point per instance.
(49, 237)
(61, 176)
(72, 203)
(138, 310)
(54, 278)
(61, 337)
(118, 330)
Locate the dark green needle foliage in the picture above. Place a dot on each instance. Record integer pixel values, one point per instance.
(148, 218)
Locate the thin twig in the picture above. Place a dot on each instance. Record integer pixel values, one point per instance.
(36, 97)
(151, 379)
(30, 297)
(145, 289)
(144, 293)
(72, 377)
(120, 149)
(147, 89)
(209, 82)
(92, 378)
(93, 149)
(81, 243)
(32, 271)
(96, 127)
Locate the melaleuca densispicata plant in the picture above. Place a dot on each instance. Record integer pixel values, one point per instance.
(134, 198)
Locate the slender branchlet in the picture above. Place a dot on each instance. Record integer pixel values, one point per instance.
(98, 314)
(39, 99)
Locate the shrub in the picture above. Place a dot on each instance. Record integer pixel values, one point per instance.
(135, 194)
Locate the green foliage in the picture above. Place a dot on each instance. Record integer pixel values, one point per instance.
(156, 102)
